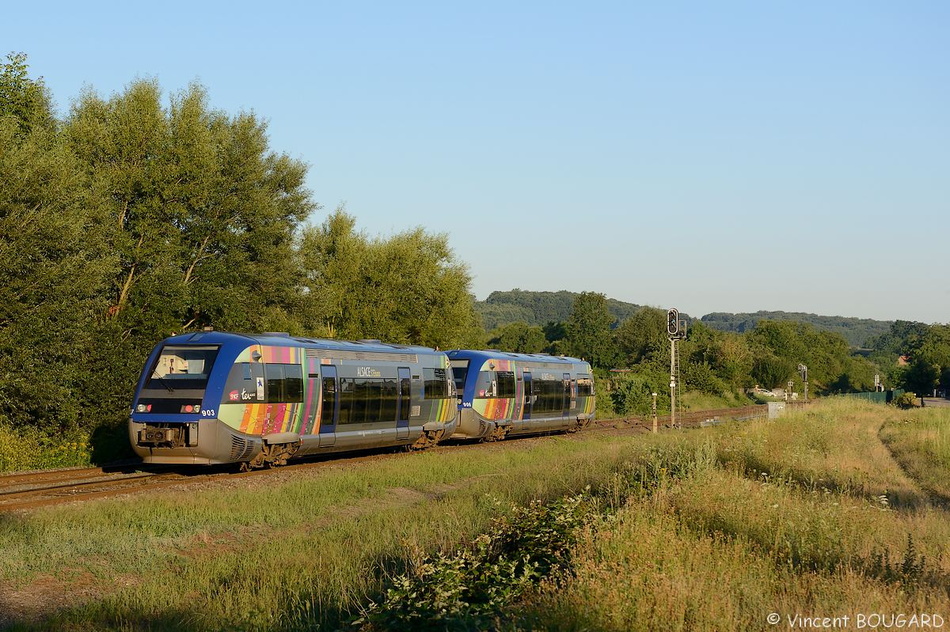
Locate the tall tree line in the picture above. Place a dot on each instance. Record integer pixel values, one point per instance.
(130, 219)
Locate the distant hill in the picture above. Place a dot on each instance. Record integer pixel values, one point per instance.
(538, 308)
(857, 331)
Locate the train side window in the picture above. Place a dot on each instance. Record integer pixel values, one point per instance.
(585, 387)
(388, 395)
(367, 400)
(505, 381)
(241, 385)
(346, 400)
(436, 384)
(293, 383)
(549, 395)
(485, 386)
(284, 383)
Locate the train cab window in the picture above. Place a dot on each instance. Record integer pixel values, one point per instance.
(284, 383)
(182, 367)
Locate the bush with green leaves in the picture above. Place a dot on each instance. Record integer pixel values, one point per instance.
(468, 589)
(906, 400)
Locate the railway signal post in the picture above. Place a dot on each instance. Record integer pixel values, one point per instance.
(676, 330)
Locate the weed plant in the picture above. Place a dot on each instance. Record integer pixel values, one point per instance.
(26, 450)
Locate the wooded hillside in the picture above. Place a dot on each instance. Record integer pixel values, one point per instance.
(857, 331)
(539, 308)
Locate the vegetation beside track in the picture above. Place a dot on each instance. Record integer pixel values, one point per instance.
(706, 529)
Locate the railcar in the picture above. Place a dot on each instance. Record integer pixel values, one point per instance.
(216, 397)
(502, 394)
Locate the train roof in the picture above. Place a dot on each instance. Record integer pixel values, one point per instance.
(279, 339)
(488, 354)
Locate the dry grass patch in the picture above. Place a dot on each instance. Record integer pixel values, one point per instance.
(920, 441)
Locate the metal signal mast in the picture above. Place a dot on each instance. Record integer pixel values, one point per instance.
(676, 330)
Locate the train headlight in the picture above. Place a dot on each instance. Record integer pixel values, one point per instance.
(188, 408)
(143, 408)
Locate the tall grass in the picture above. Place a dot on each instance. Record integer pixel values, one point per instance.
(794, 518)
(920, 441)
(708, 529)
(297, 551)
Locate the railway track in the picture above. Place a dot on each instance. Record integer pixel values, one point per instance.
(30, 490)
(40, 489)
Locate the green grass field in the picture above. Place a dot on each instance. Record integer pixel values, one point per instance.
(839, 510)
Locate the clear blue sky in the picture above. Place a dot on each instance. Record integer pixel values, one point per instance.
(709, 156)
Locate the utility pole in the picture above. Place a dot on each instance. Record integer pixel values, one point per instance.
(803, 371)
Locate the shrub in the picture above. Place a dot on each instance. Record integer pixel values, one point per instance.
(906, 400)
(469, 588)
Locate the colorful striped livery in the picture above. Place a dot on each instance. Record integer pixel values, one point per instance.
(216, 397)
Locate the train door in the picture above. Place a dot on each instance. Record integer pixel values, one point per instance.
(569, 401)
(403, 403)
(528, 397)
(516, 417)
(329, 405)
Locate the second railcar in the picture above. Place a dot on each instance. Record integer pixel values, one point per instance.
(502, 394)
(216, 397)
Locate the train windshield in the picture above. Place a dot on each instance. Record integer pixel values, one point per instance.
(182, 367)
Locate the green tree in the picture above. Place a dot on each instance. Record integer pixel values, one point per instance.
(780, 346)
(26, 101)
(203, 214)
(642, 339)
(903, 339)
(407, 289)
(771, 371)
(728, 355)
(518, 338)
(857, 376)
(200, 225)
(589, 332)
(632, 393)
(53, 262)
